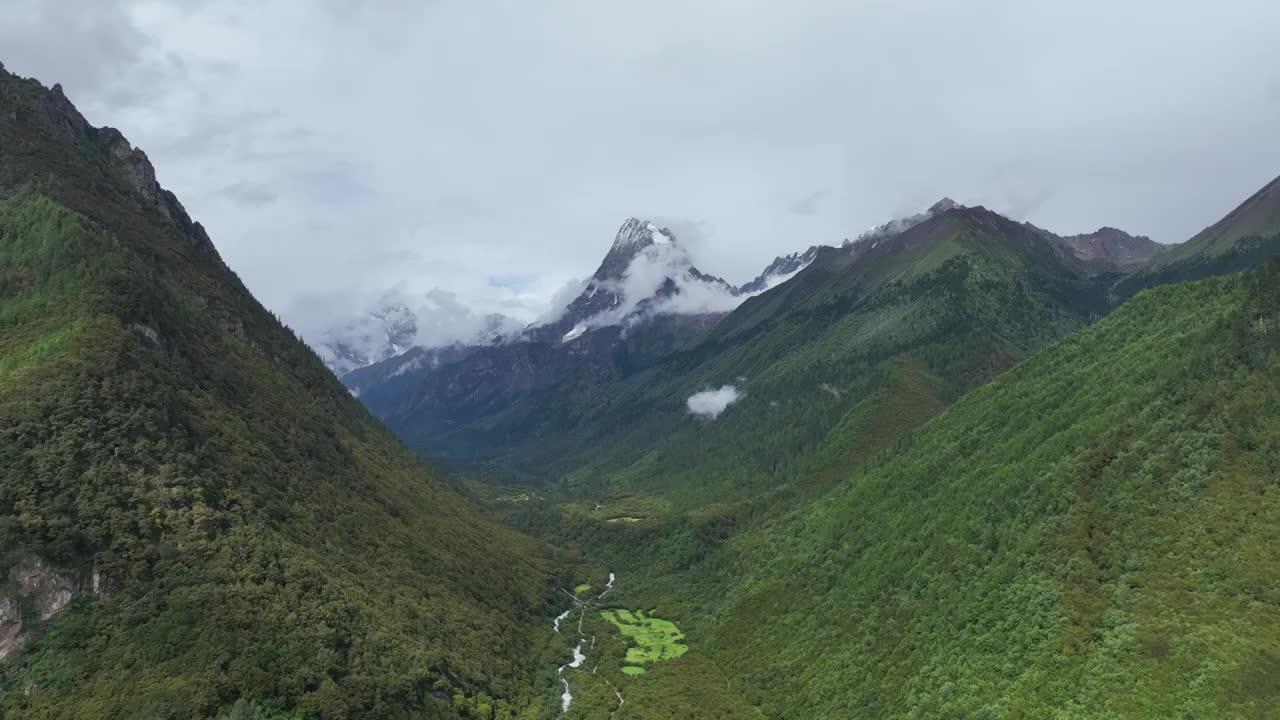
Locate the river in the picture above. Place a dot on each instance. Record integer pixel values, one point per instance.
(579, 657)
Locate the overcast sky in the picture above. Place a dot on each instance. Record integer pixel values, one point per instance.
(491, 149)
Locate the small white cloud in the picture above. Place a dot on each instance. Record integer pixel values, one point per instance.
(710, 403)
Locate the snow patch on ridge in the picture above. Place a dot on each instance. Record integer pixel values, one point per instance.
(659, 236)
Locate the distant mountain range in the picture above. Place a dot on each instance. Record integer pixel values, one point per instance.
(645, 274)
(646, 300)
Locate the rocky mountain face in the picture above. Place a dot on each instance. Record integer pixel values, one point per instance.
(387, 375)
(1117, 247)
(130, 164)
(1106, 247)
(645, 275)
(644, 270)
(778, 271)
(34, 594)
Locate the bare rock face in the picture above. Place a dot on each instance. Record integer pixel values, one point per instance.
(137, 168)
(35, 592)
(150, 336)
(1125, 251)
(11, 637)
(63, 113)
(134, 166)
(44, 588)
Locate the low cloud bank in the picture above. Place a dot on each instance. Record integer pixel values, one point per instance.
(710, 403)
(660, 281)
(396, 320)
(560, 301)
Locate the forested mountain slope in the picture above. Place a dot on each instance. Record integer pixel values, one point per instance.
(1089, 535)
(195, 516)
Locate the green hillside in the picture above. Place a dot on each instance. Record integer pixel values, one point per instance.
(1090, 535)
(195, 517)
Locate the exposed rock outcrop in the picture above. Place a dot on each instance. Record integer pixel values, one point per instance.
(63, 113)
(137, 168)
(35, 593)
(134, 165)
(1118, 247)
(11, 637)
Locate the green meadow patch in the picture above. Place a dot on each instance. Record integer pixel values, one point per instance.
(584, 587)
(651, 638)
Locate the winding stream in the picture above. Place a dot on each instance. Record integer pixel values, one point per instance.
(566, 699)
(579, 657)
(561, 616)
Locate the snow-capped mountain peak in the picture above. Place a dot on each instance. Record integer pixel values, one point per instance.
(396, 323)
(378, 334)
(632, 238)
(779, 271)
(660, 236)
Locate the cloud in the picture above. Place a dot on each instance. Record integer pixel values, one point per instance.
(708, 404)
(659, 281)
(85, 45)
(437, 145)
(395, 320)
(443, 319)
(250, 194)
(332, 185)
(696, 297)
(807, 205)
(560, 300)
(902, 224)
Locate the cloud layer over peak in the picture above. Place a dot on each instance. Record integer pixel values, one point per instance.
(337, 149)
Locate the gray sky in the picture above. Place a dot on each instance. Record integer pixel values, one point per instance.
(491, 149)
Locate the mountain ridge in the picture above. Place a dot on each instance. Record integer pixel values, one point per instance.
(1116, 246)
(1245, 237)
(202, 516)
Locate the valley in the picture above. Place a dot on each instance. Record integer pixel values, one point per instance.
(914, 475)
(958, 465)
